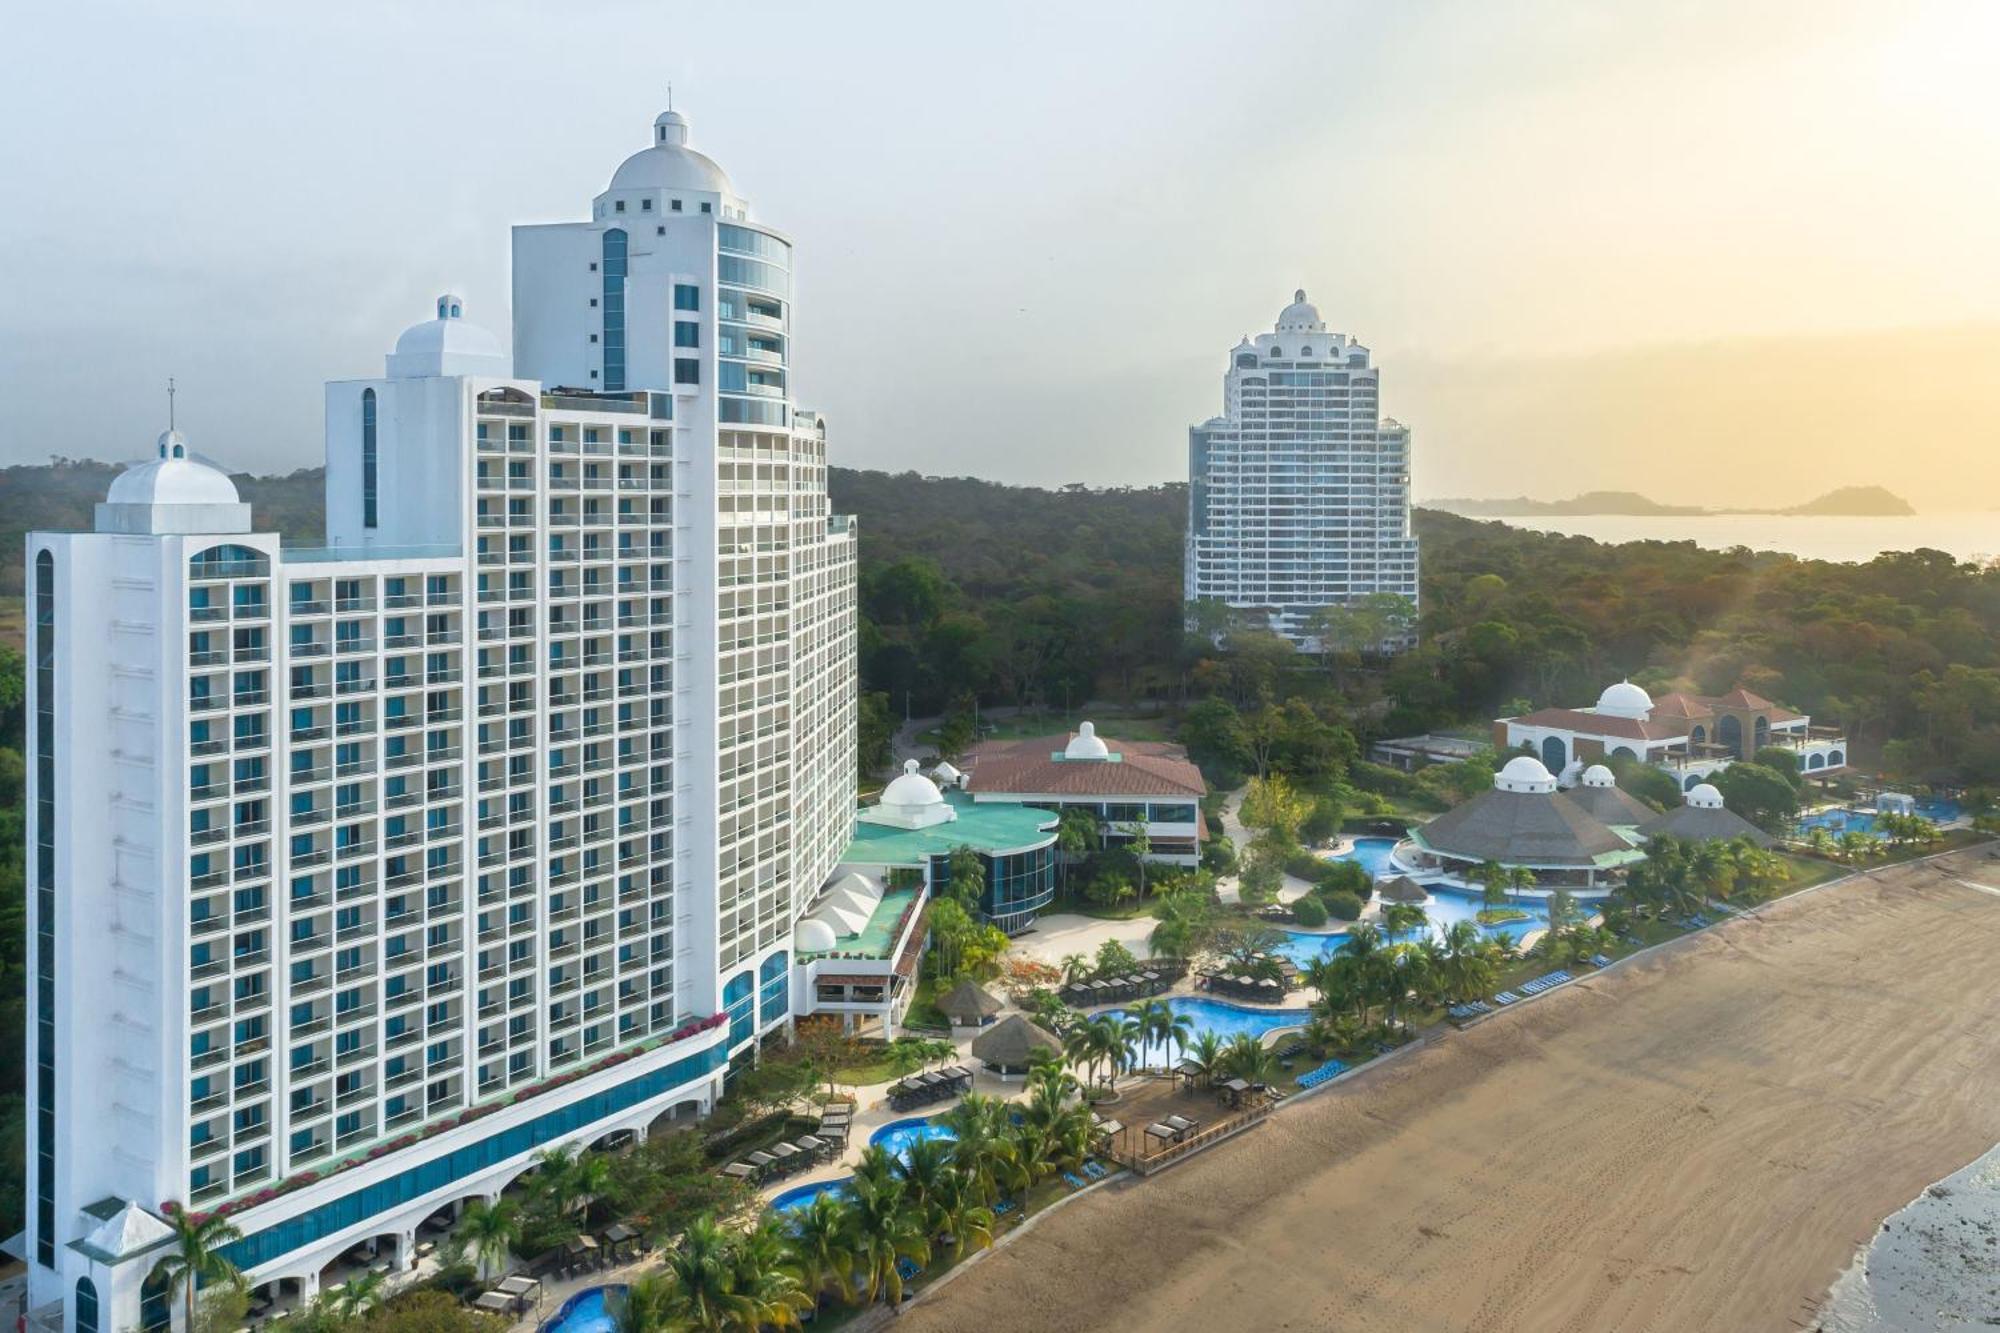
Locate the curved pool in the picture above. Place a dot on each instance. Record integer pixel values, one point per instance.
(585, 1312)
(1371, 853)
(1225, 1020)
(1447, 905)
(898, 1136)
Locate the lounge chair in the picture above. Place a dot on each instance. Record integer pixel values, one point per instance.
(1074, 1179)
(1600, 960)
(1505, 997)
(907, 1269)
(1095, 1170)
(1004, 1207)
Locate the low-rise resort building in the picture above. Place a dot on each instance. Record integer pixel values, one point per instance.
(1690, 736)
(1582, 840)
(1124, 783)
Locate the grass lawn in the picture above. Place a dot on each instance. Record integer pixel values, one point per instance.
(923, 1011)
(877, 1070)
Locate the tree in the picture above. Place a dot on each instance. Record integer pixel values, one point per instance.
(822, 1242)
(648, 1304)
(1075, 968)
(875, 733)
(965, 876)
(195, 1256)
(1761, 795)
(1114, 959)
(1270, 803)
(960, 728)
(490, 1230)
(221, 1308)
(1141, 847)
(359, 1294)
(1076, 835)
(886, 1232)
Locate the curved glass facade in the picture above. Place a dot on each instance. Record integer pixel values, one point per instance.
(738, 1000)
(1017, 885)
(752, 273)
(368, 464)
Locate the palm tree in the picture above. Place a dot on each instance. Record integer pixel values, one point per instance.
(649, 1304)
(1141, 846)
(356, 1296)
(984, 1151)
(1204, 1053)
(1160, 1025)
(1075, 967)
(764, 1280)
(702, 1271)
(1076, 834)
(822, 1245)
(886, 1231)
(196, 1256)
(1248, 1058)
(1492, 876)
(489, 1231)
(1520, 879)
(1401, 918)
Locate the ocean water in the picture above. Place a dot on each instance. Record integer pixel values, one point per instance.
(1814, 537)
(1934, 1267)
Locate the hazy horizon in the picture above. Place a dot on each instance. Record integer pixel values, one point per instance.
(1715, 255)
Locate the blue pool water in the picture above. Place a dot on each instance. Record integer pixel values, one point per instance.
(897, 1136)
(584, 1312)
(1446, 906)
(1863, 821)
(1372, 853)
(1223, 1019)
(799, 1196)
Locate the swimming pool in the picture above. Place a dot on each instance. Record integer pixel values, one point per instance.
(585, 1312)
(1447, 905)
(1372, 853)
(1223, 1019)
(1863, 821)
(898, 1136)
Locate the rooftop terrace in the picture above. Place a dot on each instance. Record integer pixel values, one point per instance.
(990, 828)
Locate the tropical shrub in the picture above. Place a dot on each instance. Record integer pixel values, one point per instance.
(1311, 913)
(1341, 904)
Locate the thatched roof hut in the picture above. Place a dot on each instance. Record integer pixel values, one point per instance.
(970, 1004)
(1522, 821)
(1403, 889)
(1009, 1045)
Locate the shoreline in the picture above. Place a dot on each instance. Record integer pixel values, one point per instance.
(1348, 1174)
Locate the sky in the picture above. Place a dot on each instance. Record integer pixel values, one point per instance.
(1716, 252)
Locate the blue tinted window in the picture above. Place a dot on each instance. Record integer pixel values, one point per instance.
(614, 309)
(368, 458)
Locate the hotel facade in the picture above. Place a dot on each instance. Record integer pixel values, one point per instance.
(1299, 494)
(358, 875)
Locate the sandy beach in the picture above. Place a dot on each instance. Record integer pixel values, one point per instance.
(1699, 1139)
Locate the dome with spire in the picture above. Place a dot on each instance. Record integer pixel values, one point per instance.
(449, 345)
(1301, 316)
(669, 164)
(173, 491)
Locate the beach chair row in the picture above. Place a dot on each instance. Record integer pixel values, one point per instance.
(1318, 1076)
(1540, 984)
(1473, 1009)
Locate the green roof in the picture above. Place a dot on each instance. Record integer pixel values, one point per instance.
(989, 827)
(878, 937)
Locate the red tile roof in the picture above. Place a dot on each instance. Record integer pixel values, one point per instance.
(1599, 724)
(1031, 768)
(1690, 706)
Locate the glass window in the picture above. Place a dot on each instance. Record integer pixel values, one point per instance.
(614, 309)
(368, 478)
(687, 334)
(687, 296)
(687, 370)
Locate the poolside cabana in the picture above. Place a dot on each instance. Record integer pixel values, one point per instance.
(970, 1005)
(1008, 1047)
(1403, 889)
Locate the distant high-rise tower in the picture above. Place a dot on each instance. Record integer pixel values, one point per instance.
(1299, 494)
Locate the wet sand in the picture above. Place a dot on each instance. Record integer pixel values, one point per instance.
(1699, 1139)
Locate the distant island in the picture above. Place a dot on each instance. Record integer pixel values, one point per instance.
(1868, 501)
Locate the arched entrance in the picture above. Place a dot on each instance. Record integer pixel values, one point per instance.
(1698, 734)
(1555, 755)
(1693, 781)
(1729, 733)
(1762, 732)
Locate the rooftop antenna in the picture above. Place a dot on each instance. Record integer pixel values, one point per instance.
(670, 95)
(170, 402)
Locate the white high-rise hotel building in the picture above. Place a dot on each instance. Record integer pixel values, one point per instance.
(1299, 494)
(360, 874)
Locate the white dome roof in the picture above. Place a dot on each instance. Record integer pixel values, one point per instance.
(1085, 744)
(1301, 316)
(1524, 773)
(811, 936)
(912, 789)
(1705, 797)
(1625, 700)
(670, 164)
(175, 477)
(1597, 775)
(449, 345)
